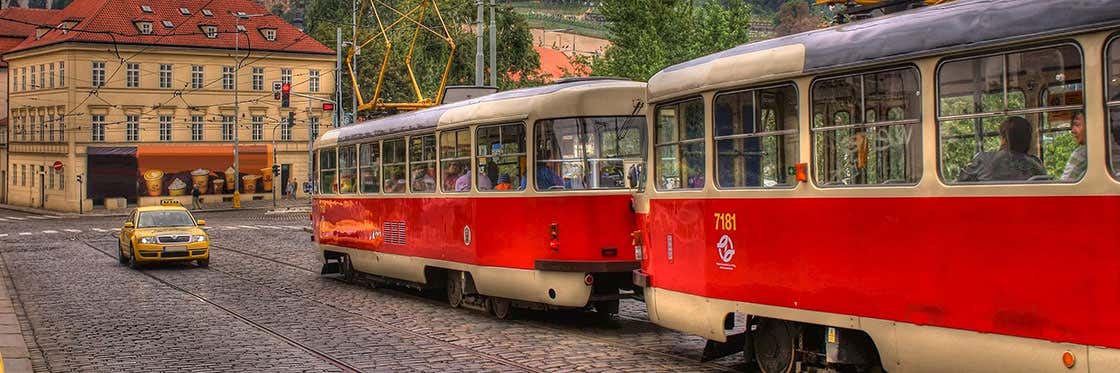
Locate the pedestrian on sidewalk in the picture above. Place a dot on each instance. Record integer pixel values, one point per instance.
(196, 200)
(292, 188)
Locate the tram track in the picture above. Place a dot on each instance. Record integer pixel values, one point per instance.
(324, 356)
(526, 323)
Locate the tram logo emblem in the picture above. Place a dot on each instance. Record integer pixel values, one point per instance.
(467, 235)
(726, 249)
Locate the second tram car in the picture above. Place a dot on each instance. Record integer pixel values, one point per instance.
(936, 190)
(519, 198)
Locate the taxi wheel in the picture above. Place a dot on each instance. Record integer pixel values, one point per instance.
(132, 263)
(204, 263)
(120, 255)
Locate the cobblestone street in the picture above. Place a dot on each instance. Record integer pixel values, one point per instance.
(261, 306)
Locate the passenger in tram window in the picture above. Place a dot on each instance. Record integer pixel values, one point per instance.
(422, 180)
(463, 182)
(521, 170)
(489, 175)
(547, 178)
(1011, 162)
(503, 183)
(395, 183)
(451, 177)
(1075, 167)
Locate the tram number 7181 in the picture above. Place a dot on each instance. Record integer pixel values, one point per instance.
(725, 222)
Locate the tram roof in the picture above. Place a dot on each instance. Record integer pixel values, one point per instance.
(507, 105)
(925, 31)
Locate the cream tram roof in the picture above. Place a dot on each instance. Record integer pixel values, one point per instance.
(956, 25)
(584, 97)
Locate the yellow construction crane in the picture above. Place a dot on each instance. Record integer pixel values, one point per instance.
(413, 20)
(875, 2)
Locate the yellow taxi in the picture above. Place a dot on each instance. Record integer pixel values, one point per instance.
(163, 233)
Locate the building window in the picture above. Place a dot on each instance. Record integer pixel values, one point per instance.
(144, 27)
(196, 128)
(328, 160)
(227, 128)
(97, 79)
(866, 129)
(285, 129)
(258, 78)
(588, 153)
(269, 34)
(165, 76)
(286, 75)
(313, 80)
(422, 163)
(313, 122)
(62, 74)
(168, 24)
(132, 75)
(756, 138)
(227, 78)
(132, 127)
(196, 76)
(42, 128)
(455, 160)
(164, 128)
(34, 129)
(23, 79)
(1007, 117)
(210, 31)
(52, 75)
(61, 127)
(23, 174)
(258, 128)
(184, 11)
(146, 9)
(679, 145)
(42, 76)
(50, 131)
(33, 76)
(97, 128)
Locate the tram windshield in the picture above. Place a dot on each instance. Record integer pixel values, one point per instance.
(590, 153)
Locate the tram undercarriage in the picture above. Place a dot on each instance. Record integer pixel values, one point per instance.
(785, 346)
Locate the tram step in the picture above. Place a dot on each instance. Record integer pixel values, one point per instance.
(715, 350)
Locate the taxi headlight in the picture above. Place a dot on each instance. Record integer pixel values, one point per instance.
(147, 240)
(198, 238)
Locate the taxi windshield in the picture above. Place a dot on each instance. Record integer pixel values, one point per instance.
(152, 219)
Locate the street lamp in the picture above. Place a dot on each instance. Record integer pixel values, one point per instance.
(238, 16)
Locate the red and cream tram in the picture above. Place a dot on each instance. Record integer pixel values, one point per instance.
(930, 191)
(519, 198)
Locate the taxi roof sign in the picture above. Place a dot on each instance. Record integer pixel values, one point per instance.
(169, 202)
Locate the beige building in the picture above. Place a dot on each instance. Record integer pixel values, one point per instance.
(141, 104)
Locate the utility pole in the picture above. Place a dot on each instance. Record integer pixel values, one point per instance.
(493, 45)
(338, 76)
(238, 16)
(478, 58)
(357, 52)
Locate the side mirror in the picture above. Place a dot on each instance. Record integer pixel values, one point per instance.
(128, 225)
(201, 222)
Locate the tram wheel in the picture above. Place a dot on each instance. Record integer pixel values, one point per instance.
(502, 308)
(773, 344)
(455, 289)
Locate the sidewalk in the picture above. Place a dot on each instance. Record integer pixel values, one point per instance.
(297, 204)
(13, 348)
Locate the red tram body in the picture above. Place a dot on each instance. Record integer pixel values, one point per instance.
(532, 247)
(923, 273)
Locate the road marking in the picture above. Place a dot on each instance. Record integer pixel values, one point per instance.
(73, 230)
(293, 227)
(50, 231)
(229, 228)
(24, 233)
(3, 235)
(269, 226)
(2, 219)
(116, 229)
(37, 217)
(13, 217)
(100, 230)
(248, 226)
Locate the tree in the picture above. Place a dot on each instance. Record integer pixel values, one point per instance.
(515, 52)
(649, 35)
(795, 17)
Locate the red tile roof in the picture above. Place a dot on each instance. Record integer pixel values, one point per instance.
(555, 64)
(20, 22)
(109, 21)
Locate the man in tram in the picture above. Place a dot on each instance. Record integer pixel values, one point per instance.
(422, 180)
(1075, 167)
(1011, 162)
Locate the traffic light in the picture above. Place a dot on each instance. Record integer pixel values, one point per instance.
(79, 178)
(291, 119)
(328, 106)
(285, 94)
(276, 169)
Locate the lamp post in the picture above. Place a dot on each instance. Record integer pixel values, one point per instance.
(238, 16)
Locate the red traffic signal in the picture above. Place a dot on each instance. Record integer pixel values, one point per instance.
(285, 94)
(327, 106)
(286, 88)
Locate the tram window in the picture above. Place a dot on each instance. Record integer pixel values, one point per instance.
(347, 168)
(501, 157)
(1112, 60)
(328, 164)
(756, 138)
(866, 129)
(455, 160)
(590, 153)
(422, 163)
(369, 167)
(679, 162)
(1007, 117)
(393, 166)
